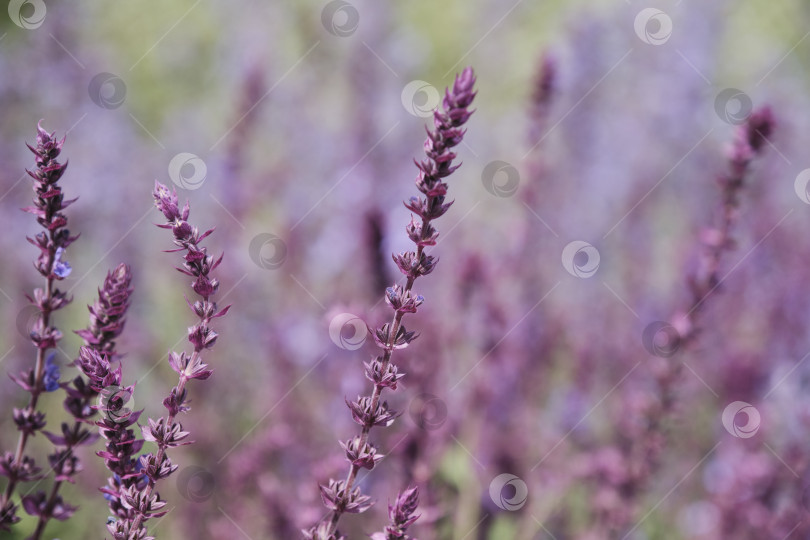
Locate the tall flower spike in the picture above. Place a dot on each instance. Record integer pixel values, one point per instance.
(143, 500)
(107, 317)
(644, 454)
(341, 496)
(51, 263)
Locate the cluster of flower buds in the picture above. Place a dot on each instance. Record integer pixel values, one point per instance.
(383, 375)
(388, 340)
(402, 301)
(414, 266)
(115, 426)
(337, 497)
(401, 515)
(369, 411)
(52, 241)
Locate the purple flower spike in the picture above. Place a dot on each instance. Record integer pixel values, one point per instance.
(86, 398)
(48, 206)
(140, 501)
(342, 496)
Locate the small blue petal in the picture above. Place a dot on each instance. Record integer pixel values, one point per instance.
(50, 379)
(60, 268)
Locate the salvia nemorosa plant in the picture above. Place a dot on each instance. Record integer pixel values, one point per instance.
(49, 204)
(141, 497)
(642, 456)
(750, 140)
(107, 317)
(130, 491)
(100, 363)
(343, 496)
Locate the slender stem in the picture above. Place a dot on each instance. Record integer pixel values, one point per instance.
(45, 516)
(375, 397)
(39, 370)
(150, 487)
(49, 508)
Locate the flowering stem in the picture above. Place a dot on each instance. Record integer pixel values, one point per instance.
(39, 370)
(107, 319)
(48, 205)
(643, 456)
(43, 521)
(161, 454)
(166, 432)
(341, 496)
(375, 397)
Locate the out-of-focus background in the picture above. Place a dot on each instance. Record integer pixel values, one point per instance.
(291, 126)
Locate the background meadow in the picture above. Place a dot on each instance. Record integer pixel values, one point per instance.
(291, 127)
